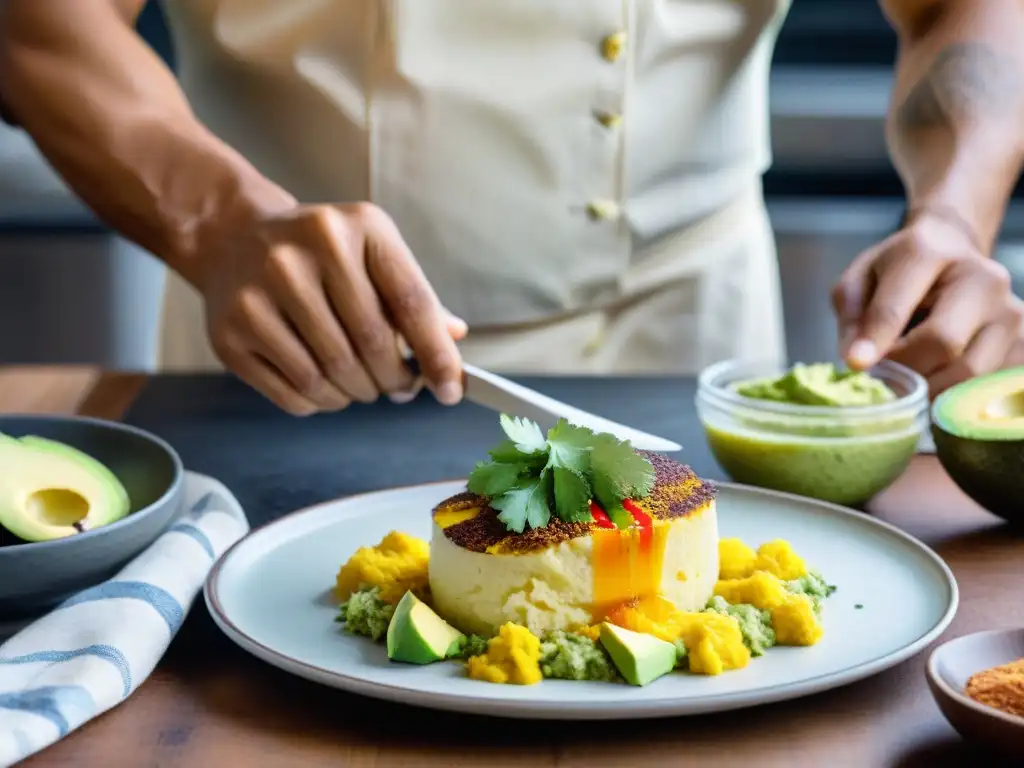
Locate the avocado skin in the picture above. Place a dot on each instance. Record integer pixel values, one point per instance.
(989, 471)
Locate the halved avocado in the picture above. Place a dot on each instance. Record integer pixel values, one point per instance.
(978, 426)
(49, 490)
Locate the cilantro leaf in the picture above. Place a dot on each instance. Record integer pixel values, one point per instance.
(624, 473)
(506, 452)
(532, 476)
(494, 478)
(524, 433)
(525, 504)
(608, 491)
(569, 446)
(572, 495)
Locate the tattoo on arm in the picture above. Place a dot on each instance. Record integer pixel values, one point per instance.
(966, 82)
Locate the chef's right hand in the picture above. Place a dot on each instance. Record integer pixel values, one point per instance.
(309, 307)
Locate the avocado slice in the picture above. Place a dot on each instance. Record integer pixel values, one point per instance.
(50, 490)
(978, 427)
(417, 635)
(640, 658)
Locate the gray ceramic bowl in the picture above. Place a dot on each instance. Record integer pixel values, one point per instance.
(949, 668)
(34, 577)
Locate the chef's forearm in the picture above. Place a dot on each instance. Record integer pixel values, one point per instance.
(110, 117)
(956, 123)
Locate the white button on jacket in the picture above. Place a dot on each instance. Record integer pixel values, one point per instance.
(580, 179)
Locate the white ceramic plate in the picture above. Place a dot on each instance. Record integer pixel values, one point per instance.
(270, 593)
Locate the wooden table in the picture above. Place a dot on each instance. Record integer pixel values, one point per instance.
(209, 704)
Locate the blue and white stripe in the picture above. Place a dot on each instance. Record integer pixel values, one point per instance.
(95, 648)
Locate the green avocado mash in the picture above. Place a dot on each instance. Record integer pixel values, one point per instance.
(819, 384)
(471, 645)
(568, 656)
(364, 613)
(814, 586)
(682, 654)
(755, 624)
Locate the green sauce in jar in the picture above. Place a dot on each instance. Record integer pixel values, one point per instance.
(841, 461)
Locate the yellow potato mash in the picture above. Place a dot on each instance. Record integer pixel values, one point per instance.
(397, 564)
(796, 622)
(714, 642)
(737, 560)
(513, 656)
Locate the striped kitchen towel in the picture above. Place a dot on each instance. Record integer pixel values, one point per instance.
(94, 649)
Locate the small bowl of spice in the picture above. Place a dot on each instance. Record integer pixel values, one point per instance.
(814, 430)
(978, 682)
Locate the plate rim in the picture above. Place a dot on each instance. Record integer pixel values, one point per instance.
(537, 708)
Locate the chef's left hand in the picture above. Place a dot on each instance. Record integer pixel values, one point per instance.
(932, 267)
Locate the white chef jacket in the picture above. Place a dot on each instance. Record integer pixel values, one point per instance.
(580, 179)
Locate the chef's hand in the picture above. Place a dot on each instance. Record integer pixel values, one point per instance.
(310, 306)
(931, 267)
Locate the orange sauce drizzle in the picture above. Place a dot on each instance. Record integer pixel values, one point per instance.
(627, 562)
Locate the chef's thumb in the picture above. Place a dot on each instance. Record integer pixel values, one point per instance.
(457, 327)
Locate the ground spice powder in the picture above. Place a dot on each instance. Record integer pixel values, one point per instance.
(1000, 687)
(677, 492)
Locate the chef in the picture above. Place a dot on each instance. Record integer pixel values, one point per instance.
(556, 186)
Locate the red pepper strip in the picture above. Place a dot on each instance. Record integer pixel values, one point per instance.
(600, 518)
(642, 519)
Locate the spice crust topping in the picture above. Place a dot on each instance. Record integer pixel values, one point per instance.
(678, 492)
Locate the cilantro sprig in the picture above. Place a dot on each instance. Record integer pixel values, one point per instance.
(532, 476)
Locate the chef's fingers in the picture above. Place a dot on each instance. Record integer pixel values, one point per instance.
(270, 337)
(849, 294)
(960, 310)
(414, 308)
(413, 367)
(986, 352)
(1015, 357)
(457, 327)
(903, 278)
(297, 285)
(355, 300)
(408, 395)
(261, 376)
